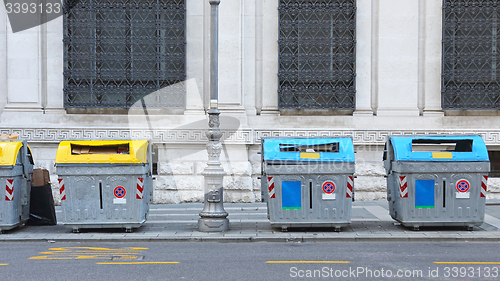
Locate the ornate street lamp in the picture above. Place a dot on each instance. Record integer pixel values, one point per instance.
(213, 218)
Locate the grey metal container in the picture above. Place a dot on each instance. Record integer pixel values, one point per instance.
(105, 195)
(437, 180)
(308, 182)
(16, 170)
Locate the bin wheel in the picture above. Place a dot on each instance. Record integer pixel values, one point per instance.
(128, 230)
(470, 228)
(76, 230)
(416, 228)
(337, 229)
(284, 229)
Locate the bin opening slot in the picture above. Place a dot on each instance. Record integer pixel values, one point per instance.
(100, 194)
(332, 147)
(102, 149)
(426, 145)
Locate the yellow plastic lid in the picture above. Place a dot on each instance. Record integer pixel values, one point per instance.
(109, 151)
(9, 151)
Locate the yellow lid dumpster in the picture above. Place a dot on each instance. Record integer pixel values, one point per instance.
(104, 183)
(16, 169)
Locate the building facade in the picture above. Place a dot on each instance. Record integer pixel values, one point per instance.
(359, 68)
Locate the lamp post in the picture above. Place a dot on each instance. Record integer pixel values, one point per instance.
(213, 218)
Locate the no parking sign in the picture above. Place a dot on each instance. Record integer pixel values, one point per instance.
(463, 186)
(328, 189)
(119, 192)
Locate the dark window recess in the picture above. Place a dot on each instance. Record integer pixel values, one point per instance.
(118, 53)
(494, 164)
(470, 77)
(327, 147)
(441, 145)
(317, 54)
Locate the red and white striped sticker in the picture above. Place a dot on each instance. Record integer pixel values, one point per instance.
(62, 190)
(403, 187)
(350, 185)
(270, 187)
(140, 188)
(484, 186)
(9, 190)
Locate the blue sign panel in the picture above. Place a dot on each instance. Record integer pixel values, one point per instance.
(424, 194)
(291, 195)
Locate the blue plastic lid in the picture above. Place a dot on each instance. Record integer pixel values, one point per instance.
(339, 149)
(465, 148)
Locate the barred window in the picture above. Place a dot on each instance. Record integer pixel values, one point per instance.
(119, 52)
(470, 55)
(316, 54)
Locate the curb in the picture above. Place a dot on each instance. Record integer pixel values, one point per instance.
(247, 239)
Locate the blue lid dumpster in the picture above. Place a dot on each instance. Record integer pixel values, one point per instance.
(104, 184)
(437, 180)
(16, 170)
(308, 182)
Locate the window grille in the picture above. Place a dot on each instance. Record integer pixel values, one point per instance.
(470, 54)
(317, 54)
(121, 52)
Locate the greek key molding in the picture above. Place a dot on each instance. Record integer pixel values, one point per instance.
(241, 136)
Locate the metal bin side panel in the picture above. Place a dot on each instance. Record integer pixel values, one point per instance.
(91, 201)
(11, 211)
(314, 208)
(448, 209)
(14, 206)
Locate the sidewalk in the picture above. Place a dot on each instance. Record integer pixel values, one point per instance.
(248, 222)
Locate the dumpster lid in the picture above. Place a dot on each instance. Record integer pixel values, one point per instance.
(339, 149)
(439, 148)
(109, 151)
(9, 151)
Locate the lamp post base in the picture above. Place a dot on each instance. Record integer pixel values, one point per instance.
(213, 224)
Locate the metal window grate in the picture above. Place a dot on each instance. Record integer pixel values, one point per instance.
(470, 54)
(317, 54)
(119, 52)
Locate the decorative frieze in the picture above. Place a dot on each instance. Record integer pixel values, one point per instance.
(242, 136)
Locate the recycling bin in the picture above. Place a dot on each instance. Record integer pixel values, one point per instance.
(16, 170)
(436, 180)
(104, 184)
(309, 181)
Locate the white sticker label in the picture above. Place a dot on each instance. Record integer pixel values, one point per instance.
(119, 201)
(326, 196)
(462, 195)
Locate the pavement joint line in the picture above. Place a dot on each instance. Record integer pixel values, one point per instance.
(491, 220)
(380, 212)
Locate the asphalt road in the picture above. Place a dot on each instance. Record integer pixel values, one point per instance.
(250, 261)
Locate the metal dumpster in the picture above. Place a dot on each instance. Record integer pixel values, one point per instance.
(309, 181)
(16, 170)
(104, 184)
(437, 180)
